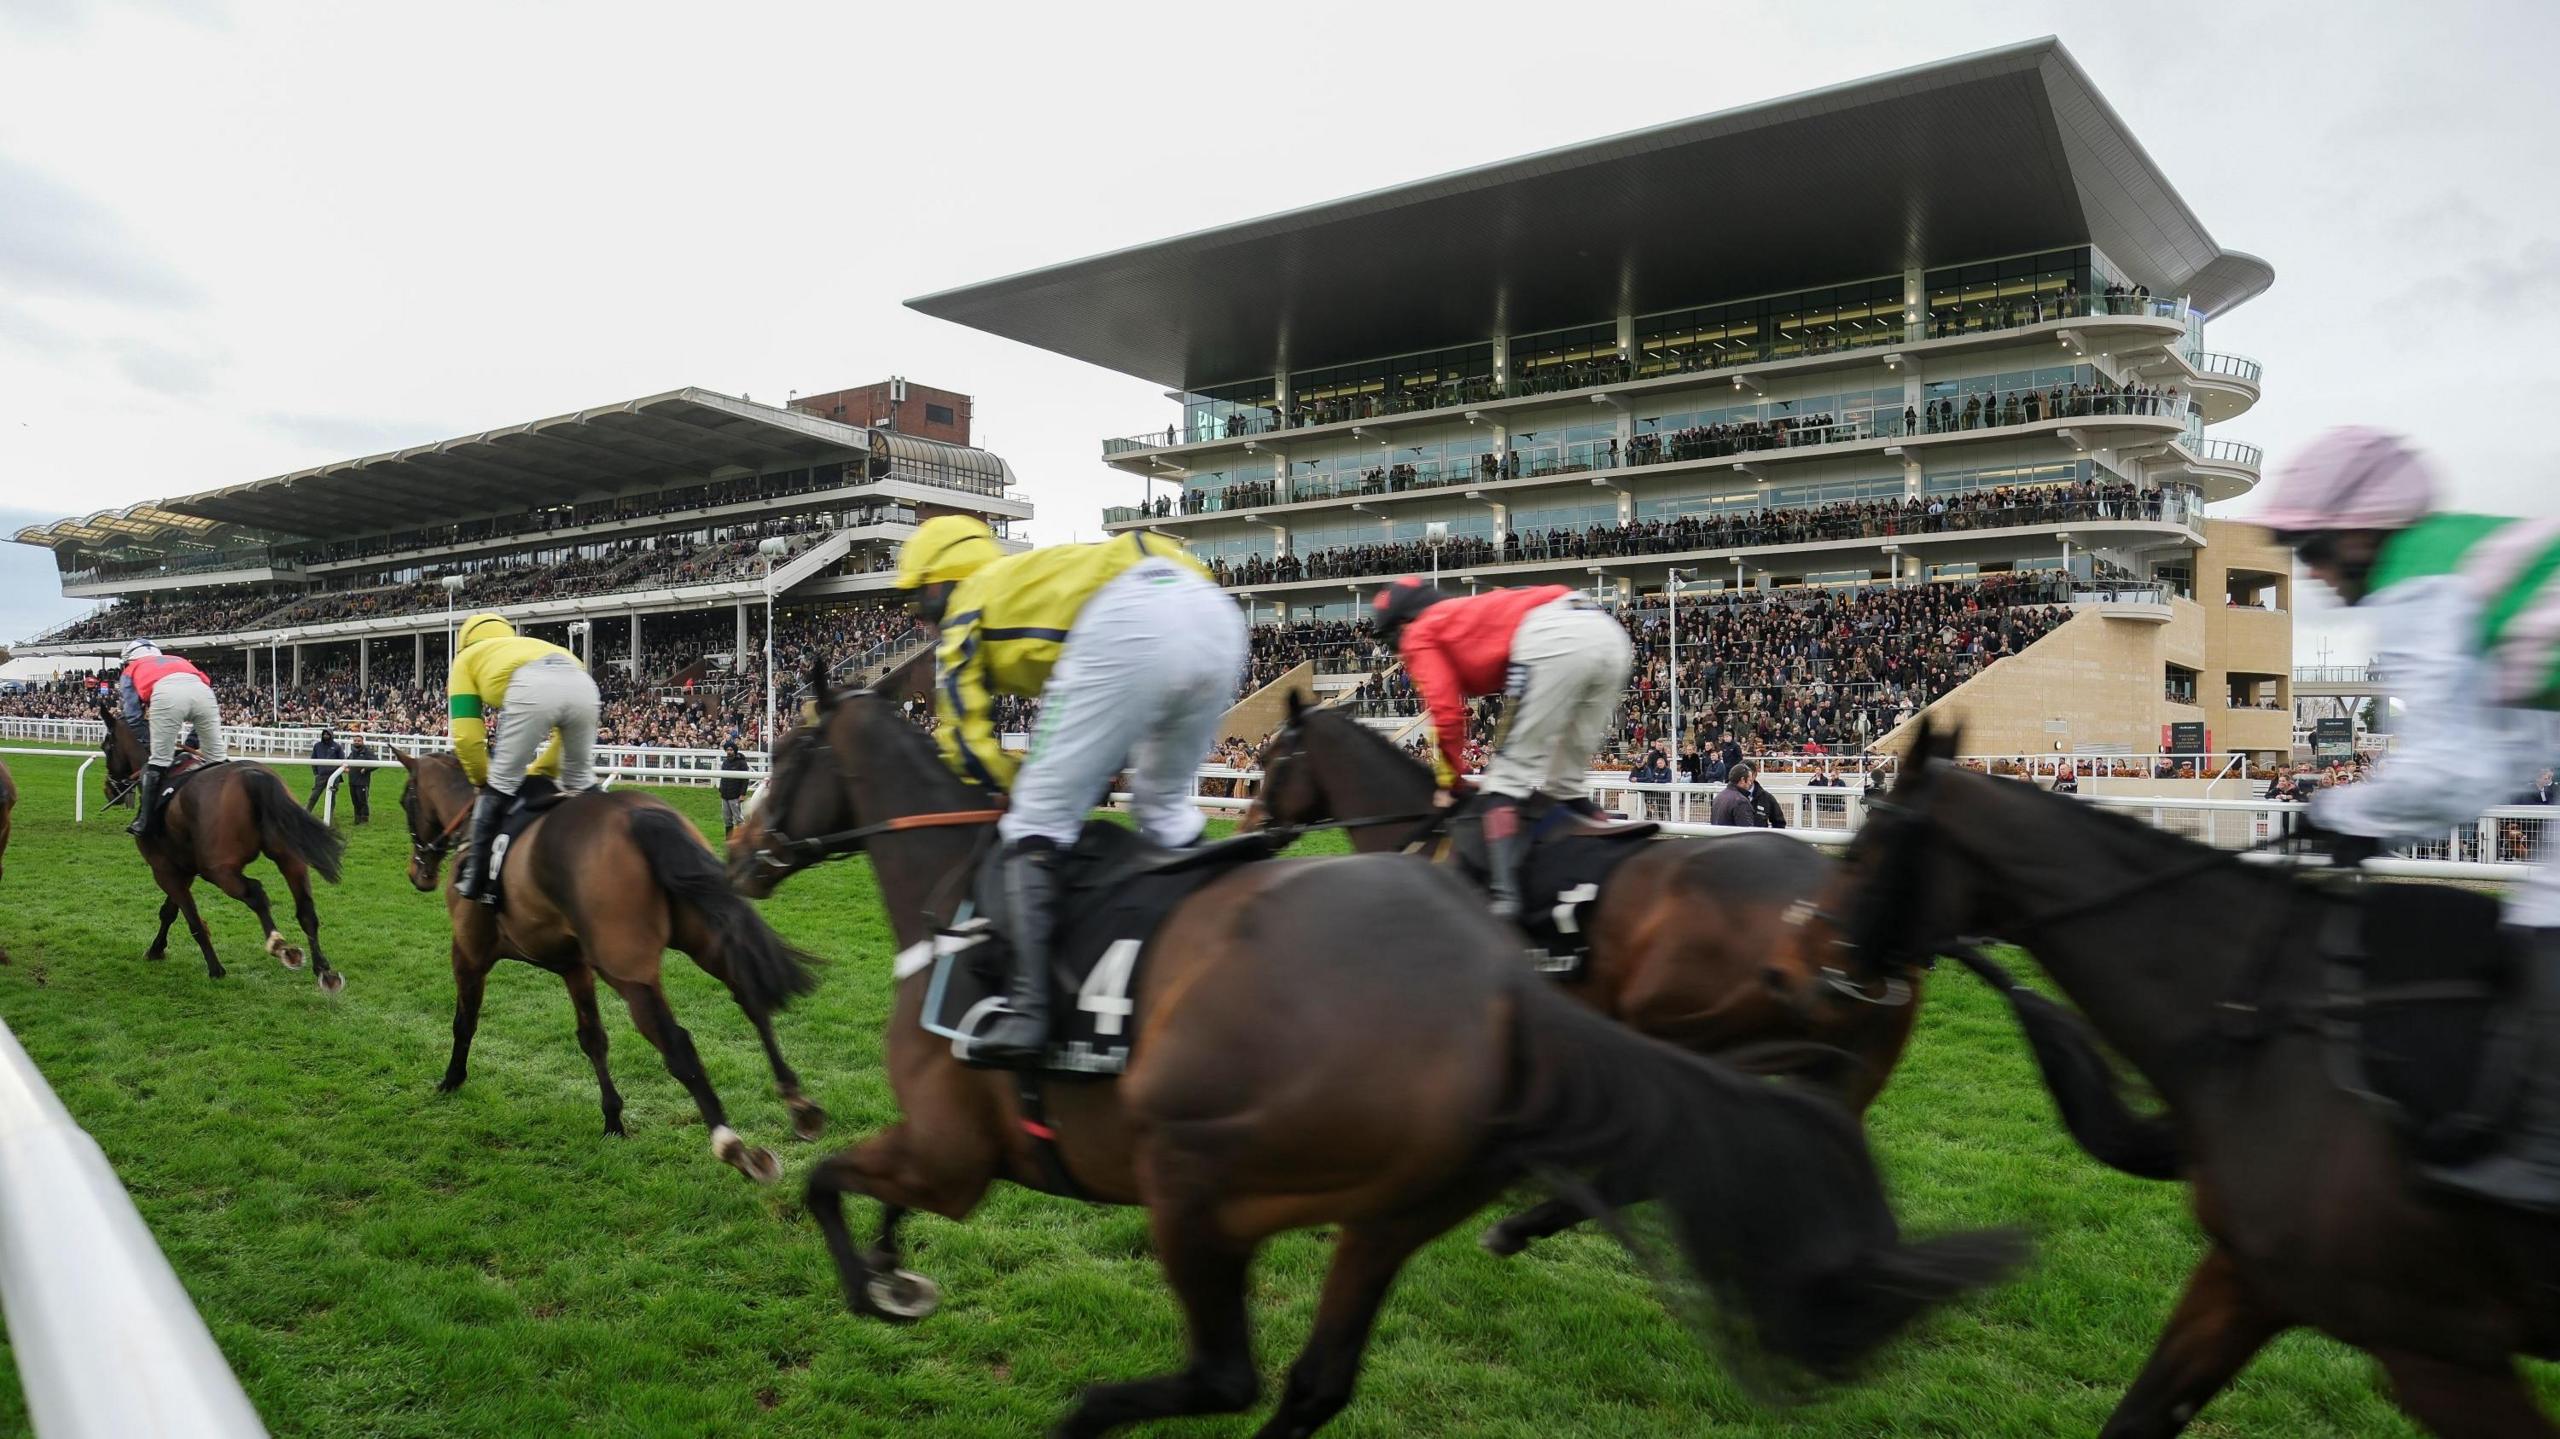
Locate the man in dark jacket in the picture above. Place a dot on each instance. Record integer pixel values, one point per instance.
(1743, 804)
(360, 781)
(733, 791)
(1655, 768)
(327, 748)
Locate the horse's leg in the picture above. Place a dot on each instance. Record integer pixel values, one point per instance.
(168, 916)
(1367, 1256)
(808, 1121)
(2211, 1336)
(471, 966)
(892, 1168)
(240, 886)
(2456, 1401)
(657, 1024)
(1208, 1272)
(195, 926)
(297, 881)
(1509, 1236)
(591, 1038)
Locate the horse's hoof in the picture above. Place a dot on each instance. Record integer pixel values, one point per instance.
(613, 1128)
(155, 954)
(1499, 1241)
(808, 1121)
(449, 1084)
(901, 1296)
(331, 982)
(754, 1162)
(215, 971)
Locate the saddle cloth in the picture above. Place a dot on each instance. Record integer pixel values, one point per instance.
(2428, 1013)
(537, 797)
(1569, 862)
(1114, 891)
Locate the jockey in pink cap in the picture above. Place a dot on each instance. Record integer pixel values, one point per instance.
(2466, 618)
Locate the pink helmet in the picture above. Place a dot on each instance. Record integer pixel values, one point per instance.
(2350, 478)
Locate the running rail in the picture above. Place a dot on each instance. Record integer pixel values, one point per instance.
(108, 1345)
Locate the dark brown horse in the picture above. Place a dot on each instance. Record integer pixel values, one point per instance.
(1691, 941)
(216, 825)
(2206, 975)
(1342, 1042)
(604, 885)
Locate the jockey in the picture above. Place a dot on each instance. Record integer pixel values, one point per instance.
(510, 694)
(1135, 654)
(1559, 659)
(2462, 607)
(169, 694)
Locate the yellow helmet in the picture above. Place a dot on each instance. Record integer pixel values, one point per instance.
(483, 626)
(946, 547)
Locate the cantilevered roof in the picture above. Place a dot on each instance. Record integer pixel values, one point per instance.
(680, 436)
(1989, 155)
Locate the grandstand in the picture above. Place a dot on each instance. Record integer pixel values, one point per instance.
(650, 534)
(1793, 356)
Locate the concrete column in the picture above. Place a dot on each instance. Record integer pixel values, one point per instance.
(635, 649)
(249, 661)
(1626, 413)
(1501, 363)
(364, 663)
(739, 654)
(1910, 475)
(1915, 312)
(418, 658)
(297, 663)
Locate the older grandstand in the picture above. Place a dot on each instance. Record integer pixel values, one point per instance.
(1886, 408)
(652, 534)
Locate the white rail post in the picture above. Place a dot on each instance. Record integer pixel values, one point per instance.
(108, 1344)
(80, 790)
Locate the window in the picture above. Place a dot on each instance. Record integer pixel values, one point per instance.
(939, 415)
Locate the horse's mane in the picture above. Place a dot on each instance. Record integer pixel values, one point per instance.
(910, 746)
(1345, 721)
(2122, 832)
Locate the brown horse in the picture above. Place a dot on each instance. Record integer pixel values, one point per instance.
(2207, 975)
(219, 822)
(606, 884)
(1690, 938)
(1340, 1042)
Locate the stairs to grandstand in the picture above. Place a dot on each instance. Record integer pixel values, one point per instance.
(813, 560)
(878, 662)
(2057, 662)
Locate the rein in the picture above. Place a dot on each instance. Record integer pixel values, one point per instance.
(844, 842)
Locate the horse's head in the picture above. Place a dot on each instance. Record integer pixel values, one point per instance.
(123, 752)
(436, 800)
(801, 794)
(1290, 792)
(1899, 896)
(853, 761)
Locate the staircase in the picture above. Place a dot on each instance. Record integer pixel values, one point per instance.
(810, 561)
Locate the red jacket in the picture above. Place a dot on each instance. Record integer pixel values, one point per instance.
(1459, 649)
(147, 671)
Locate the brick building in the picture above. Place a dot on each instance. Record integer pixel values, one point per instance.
(896, 404)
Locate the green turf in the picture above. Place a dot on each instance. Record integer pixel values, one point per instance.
(377, 1259)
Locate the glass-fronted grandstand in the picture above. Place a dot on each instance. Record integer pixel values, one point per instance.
(654, 527)
(1818, 343)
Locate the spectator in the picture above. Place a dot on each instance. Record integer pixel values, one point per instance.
(1743, 804)
(733, 789)
(360, 780)
(327, 748)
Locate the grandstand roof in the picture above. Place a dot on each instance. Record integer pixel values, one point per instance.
(1999, 153)
(681, 434)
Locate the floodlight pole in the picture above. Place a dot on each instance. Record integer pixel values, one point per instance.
(1671, 588)
(768, 548)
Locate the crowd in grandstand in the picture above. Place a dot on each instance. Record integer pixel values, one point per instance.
(1982, 509)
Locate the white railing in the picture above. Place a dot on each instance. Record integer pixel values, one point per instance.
(107, 1344)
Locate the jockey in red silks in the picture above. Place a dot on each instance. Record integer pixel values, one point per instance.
(160, 696)
(1559, 660)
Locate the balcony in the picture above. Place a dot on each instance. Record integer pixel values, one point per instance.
(1951, 330)
(2226, 468)
(2223, 386)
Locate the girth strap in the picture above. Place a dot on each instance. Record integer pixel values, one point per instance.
(1044, 1140)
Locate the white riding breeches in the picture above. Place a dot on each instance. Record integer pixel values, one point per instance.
(545, 695)
(1146, 674)
(178, 701)
(1569, 664)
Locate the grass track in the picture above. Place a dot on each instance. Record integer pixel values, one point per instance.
(377, 1259)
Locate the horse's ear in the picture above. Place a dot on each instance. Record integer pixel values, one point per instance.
(1297, 704)
(402, 756)
(1953, 738)
(821, 694)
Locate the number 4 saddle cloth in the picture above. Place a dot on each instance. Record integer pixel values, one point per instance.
(1115, 888)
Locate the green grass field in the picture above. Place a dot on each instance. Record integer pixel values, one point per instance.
(377, 1259)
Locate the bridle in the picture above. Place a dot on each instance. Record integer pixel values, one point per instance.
(781, 855)
(1426, 822)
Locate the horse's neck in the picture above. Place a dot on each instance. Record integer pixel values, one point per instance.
(922, 873)
(1375, 775)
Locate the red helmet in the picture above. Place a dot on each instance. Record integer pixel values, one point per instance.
(1392, 608)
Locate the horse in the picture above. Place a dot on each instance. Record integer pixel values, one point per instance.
(604, 885)
(8, 803)
(2315, 1211)
(220, 821)
(1690, 941)
(1341, 1042)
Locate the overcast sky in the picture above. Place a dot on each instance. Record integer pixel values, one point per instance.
(241, 238)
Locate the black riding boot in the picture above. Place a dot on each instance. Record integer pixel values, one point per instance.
(2523, 1171)
(1017, 1036)
(1503, 842)
(471, 877)
(146, 799)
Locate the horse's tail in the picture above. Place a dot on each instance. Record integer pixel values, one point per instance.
(2081, 1081)
(1770, 1190)
(764, 970)
(286, 829)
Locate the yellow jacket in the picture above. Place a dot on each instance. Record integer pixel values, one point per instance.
(477, 687)
(1002, 634)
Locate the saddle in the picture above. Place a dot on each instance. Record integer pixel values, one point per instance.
(537, 797)
(185, 767)
(2426, 1013)
(1114, 890)
(1569, 860)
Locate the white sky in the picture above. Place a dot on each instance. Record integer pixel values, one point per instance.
(241, 238)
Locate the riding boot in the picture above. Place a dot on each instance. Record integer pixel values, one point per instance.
(146, 800)
(1502, 845)
(471, 878)
(2523, 1171)
(1017, 1036)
